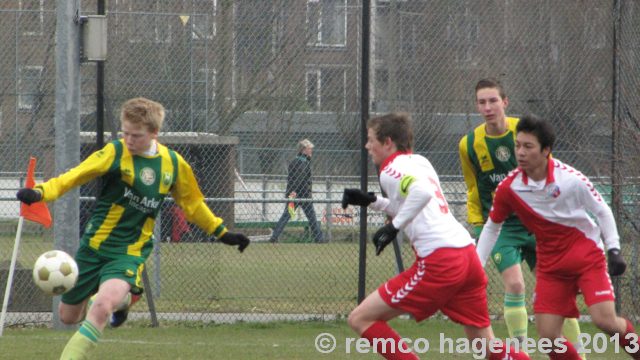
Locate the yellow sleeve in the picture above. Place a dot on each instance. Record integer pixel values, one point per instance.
(189, 198)
(97, 164)
(474, 207)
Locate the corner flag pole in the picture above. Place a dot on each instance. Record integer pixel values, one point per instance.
(37, 212)
(7, 291)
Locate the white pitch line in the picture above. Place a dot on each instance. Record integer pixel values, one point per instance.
(154, 343)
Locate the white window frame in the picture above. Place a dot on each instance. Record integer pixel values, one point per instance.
(40, 19)
(459, 26)
(375, 94)
(594, 37)
(344, 88)
(318, 75)
(209, 75)
(211, 30)
(162, 29)
(133, 35)
(88, 101)
(317, 71)
(318, 40)
(23, 103)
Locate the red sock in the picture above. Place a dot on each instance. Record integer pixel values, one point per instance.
(501, 353)
(386, 340)
(134, 299)
(629, 342)
(569, 354)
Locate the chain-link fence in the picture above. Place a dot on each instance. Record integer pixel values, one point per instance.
(244, 81)
(27, 83)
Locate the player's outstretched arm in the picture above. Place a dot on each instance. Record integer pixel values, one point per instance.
(97, 164)
(593, 202)
(488, 239)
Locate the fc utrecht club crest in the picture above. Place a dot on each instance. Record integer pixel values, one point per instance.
(148, 176)
(502, 153)
(554, 191)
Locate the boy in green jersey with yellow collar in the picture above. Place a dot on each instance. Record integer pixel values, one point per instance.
(137, 174)
(487, 155)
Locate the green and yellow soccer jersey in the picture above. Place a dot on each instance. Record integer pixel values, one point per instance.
(133, 189)
(486, 160)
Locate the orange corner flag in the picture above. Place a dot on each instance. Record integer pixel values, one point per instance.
(36, 212)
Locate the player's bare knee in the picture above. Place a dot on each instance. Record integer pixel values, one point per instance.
(101, 309)
(353, 319)
(546, 332)
(606, 323)
(68, 317)
(358, 320)
(514, 286)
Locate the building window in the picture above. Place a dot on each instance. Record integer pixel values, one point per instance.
(327, 22)
(596, 19)
(88, 101)
(312, 92)
(462, 36)
(381, 32)
(29, 87)
(253, 36)
(409, 39)
(32, 17)
(205, 87)
(203, 26)
(381, 90)
(326, 89)
(162, 28)
(130, 20)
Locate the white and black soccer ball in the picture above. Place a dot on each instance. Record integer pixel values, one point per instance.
(55, 272)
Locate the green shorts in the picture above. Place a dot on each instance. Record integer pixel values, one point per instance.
(96, 269)
(512, 248)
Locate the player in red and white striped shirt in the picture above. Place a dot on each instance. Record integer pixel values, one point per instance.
(446, 275)
(555, 201)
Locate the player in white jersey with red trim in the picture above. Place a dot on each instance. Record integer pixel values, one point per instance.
(554, 201)
(446, 275)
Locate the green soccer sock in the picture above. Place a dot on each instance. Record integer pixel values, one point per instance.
(571, 331)
(515, 315)
(81, 343)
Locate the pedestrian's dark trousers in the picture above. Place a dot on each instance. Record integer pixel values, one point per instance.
(309, 212)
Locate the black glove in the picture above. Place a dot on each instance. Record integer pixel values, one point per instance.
(29, 196)
(230, 238)
(357, 197)
(384, 236)
(616, 263)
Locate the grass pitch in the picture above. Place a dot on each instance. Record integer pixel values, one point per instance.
(280, 340)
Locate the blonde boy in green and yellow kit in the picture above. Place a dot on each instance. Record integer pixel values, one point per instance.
(487, 156)
(137, 174)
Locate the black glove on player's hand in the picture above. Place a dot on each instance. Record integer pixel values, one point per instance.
(616, 263)
(29, 196)
(384, 236)
(234, 239)
(357, 197)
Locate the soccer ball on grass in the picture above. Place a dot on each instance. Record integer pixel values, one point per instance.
(55, 272)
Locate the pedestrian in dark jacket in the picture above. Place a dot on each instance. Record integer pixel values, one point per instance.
(299, 187)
